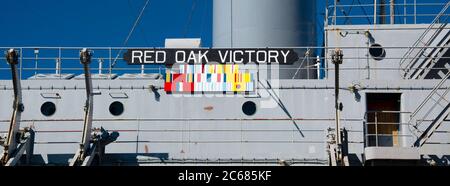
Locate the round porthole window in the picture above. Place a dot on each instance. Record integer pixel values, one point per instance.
(249, 108)
(48, 108)
(377, 51)
(116, 108)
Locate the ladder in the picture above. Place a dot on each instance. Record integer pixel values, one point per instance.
(420, 55)
(440, 99)
(432, 58)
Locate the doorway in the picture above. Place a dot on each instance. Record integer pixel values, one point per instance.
(382, 119)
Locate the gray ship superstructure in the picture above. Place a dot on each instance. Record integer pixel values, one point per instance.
(390, 105)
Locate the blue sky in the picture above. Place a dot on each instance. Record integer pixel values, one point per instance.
(101, 22)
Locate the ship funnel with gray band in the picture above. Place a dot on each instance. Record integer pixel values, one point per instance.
(267, 23)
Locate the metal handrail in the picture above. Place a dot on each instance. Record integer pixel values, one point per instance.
(420, 39)
(396, 15)
(48, 55)
(427, 99)
(376, 123)
(373, 16)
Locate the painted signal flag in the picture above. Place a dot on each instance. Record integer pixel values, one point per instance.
(209, 78)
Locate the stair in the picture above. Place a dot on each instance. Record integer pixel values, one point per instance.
(422, 54)
(432, 59)
(436, 101)
(432, 127)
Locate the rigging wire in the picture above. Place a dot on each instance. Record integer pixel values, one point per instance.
(202, 26)
(343, 13)
(188, 24)
(141, 29)
(364, 11)
(398, 18)
(349, 13)
(136, 22)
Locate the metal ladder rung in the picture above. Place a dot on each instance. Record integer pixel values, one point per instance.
(431, 94)
(420, 40)
(425, 54)
(437, 102)
(441, 97)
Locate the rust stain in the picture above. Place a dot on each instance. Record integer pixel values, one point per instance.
(208, 108)
(146, 149)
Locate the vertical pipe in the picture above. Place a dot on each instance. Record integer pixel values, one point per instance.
(366, 129)
(36, 53)
(404, 11)
(367, 58)
(58, 66)
(110, 64)
(376, 129)
(392, 11)
(324, 53)
(21, 65)
(382, 12)
(336, 102)
(337, 58)
(375, 12)
(334, 12)
(308, 63)
(318, 66)
(100, 65)
(59, 62)
(415, 11)
(325, 21)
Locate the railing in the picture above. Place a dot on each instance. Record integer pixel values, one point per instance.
(379, 133)
(406, 63)
(441, 97)
(368, 12)
(433, 100)
(65, 60)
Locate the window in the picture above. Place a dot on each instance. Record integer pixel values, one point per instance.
(377, 51)
(249, 108)
(48, 109)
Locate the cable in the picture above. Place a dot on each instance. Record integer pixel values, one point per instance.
(343, 13)
(349, 13)
(364, 11)
(202, 27)
(186, 29)
(141, 29)
(136, 22)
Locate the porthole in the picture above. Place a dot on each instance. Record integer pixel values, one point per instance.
(48, 108)
(377, 51)
(249, 108)
(116, 108)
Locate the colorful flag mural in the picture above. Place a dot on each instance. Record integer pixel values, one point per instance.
(209, 78)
